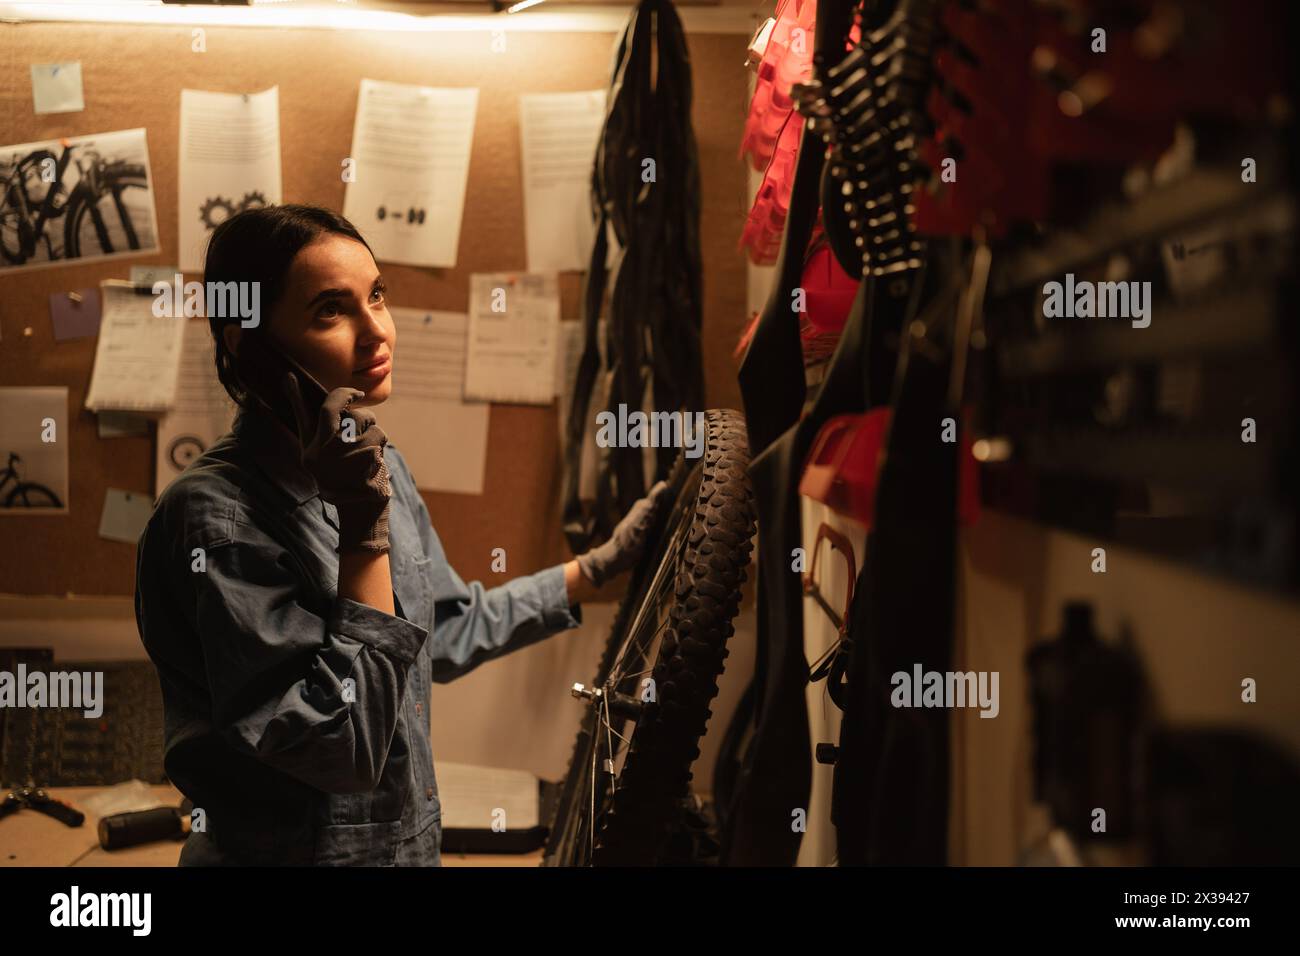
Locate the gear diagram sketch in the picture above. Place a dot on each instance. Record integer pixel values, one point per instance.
(229, 162)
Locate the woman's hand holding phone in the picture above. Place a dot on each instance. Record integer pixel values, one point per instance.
(347, 462)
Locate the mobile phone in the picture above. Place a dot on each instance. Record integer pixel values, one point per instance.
(263, 369)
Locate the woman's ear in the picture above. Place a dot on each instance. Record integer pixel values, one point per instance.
(231, 335)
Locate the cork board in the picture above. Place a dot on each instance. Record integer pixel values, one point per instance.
(133, 76)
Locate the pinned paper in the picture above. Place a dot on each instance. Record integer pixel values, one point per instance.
(118, 163)
(568, 358)
(122, 425)
(137, 358)
(75, 315)
(125, 515)
(442, 437)
(229, 162)
(34, 443)
(203, 411)
(558, 133)
(148, 275)
(411, 147)
(514, 328)
(56, 87)
(567, 355)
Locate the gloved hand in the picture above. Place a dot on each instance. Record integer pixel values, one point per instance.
(625, 545)
(352, 476)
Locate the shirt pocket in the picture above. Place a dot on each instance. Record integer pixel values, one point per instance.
(357, 844)
(427, 581)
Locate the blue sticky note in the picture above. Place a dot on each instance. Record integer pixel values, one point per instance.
(75, 314)
(125, 515)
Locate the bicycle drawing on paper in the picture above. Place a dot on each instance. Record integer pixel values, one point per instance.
(16, 493)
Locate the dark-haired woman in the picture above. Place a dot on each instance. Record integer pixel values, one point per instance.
(291, 590)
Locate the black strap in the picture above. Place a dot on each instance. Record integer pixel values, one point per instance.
(890, 792)
(776, 772)
(652, 335)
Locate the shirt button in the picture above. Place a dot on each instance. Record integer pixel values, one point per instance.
(419, 708)
(428, 793)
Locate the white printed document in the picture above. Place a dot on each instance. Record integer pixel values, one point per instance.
(229, 162)
(558, 133)
(410, 150)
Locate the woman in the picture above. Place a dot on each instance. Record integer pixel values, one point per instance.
(291, 591)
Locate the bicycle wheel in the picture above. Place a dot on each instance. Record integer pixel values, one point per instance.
(631, 762)
(114, 228)
(29, 494)
(15, 230)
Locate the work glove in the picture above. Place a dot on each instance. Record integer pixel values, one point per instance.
(625, 545)
(351, 475)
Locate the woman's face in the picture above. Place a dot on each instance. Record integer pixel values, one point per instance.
(333, 318)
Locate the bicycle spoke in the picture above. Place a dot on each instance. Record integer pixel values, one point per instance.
(637, 674)
(644, 650)
(613, 751)
(665, 576)
(665, 572)
(617, 734)
(634, 641)
(635, 637)
(591, 819)
(609, 748)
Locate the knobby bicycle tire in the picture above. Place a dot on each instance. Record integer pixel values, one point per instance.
(707, 539)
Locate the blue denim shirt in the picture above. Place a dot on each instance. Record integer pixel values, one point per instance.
(298, 720)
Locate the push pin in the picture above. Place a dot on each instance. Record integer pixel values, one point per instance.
(75, 297)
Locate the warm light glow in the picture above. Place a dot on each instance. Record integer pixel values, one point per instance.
(558, 17)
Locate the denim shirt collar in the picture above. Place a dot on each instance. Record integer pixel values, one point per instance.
(275, 451)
